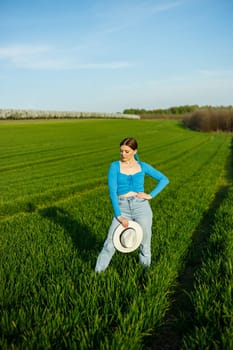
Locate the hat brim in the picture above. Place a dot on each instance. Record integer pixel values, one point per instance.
(118, 231)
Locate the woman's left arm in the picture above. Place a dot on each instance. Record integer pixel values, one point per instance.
(162, 180)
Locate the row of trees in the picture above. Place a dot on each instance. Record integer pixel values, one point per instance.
(20, 114)
(179, 110)
(205, 118)
(210, 120)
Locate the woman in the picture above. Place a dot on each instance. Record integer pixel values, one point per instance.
(129, 201)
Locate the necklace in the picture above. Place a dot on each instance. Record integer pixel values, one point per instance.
(129, 164)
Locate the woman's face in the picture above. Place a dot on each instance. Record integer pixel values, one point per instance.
(127, 153)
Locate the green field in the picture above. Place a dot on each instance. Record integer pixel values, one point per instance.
(54, 215)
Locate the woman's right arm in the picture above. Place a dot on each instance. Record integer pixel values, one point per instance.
(112, 185)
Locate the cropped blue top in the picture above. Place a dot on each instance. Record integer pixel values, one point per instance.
(120, 183)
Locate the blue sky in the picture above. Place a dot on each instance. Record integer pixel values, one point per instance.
(106, 56)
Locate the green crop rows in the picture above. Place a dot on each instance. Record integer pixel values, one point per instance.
(54, 216)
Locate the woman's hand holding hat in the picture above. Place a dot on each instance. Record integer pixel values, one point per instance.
(127, 239)
(123, 221)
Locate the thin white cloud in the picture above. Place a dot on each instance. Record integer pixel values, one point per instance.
(105, 65)
(216, 73)
(142, 9)
(51, 64)
(46, 58)
(124, 15)
(166, 7)
(13, 52)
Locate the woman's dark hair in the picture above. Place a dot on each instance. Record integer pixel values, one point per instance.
(130, 142)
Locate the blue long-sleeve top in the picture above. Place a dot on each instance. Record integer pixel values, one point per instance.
(120, 183)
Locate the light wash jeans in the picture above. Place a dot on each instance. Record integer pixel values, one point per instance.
(135, 209)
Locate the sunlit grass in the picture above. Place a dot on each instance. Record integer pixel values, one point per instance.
(55, 213)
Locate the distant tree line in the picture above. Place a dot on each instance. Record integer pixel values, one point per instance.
(150, 113)
(21, 114)
(205, 118)
(210, 120)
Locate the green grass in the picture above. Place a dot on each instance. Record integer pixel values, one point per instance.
(55, 212)
(211, 298)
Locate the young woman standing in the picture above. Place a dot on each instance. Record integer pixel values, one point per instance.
(129, 201)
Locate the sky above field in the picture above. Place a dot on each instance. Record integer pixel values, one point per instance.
(108, 55)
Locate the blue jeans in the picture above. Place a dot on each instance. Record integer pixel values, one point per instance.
(135, 209)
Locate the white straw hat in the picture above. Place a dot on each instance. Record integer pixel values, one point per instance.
(127, 239)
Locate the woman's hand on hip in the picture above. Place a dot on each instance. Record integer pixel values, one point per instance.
(143, 195)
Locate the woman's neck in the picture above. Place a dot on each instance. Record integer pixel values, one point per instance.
(129, 164)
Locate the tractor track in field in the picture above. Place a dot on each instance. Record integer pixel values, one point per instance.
(178, 320)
